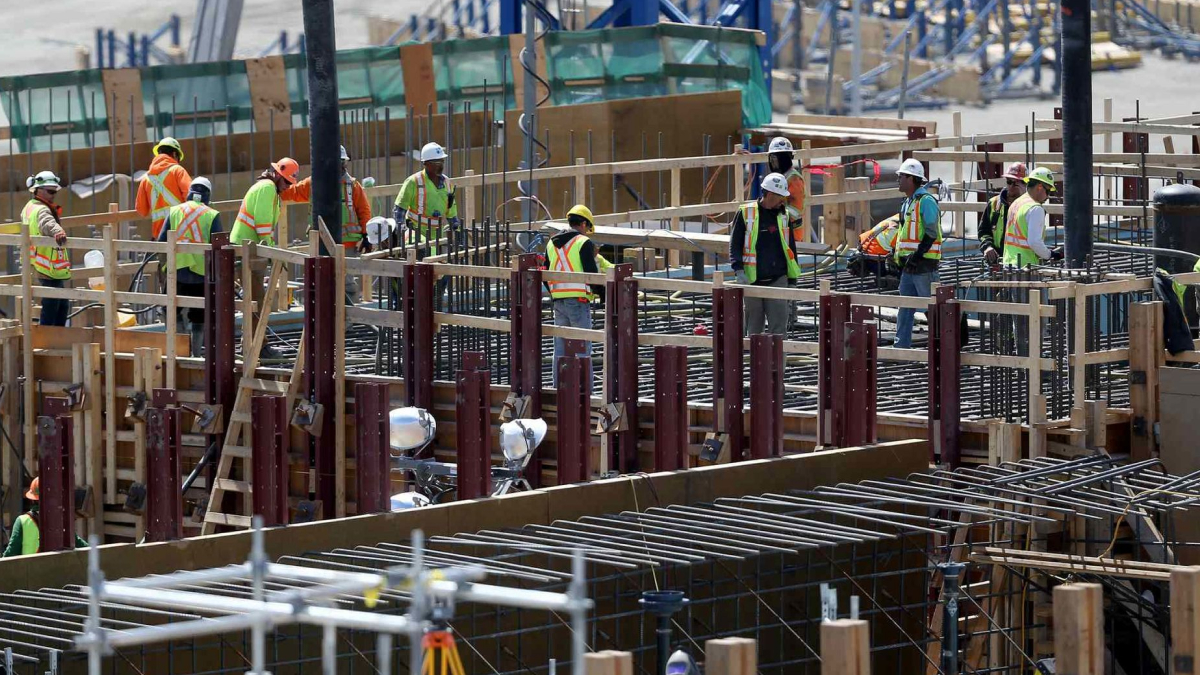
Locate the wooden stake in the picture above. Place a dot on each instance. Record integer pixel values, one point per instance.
(1145, 350)
(110, 363)
(27, 348)
(1185, 629)
(960, 221)
(845, 647)
(1079, 629)
(1004, 442)
(731, 656)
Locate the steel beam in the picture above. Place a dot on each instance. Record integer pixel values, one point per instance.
(321, 59)
(833, 313)
(766, 396)
(728, 333)
(860, 337)
(320, 298)
(1075, 58)
(670, 408)
(408, 333)
(372, 467)
(220, 385)
(944, 374)
(574, 415)
(56, 477)
(164, 506)
(620, 354)
(269, 443)
(422, 336)
(525, 353)
(473, 427)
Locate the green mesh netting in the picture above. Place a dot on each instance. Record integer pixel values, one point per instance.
(55, 112)
(195, 100)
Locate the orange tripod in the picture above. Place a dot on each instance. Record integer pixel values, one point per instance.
(441, 654)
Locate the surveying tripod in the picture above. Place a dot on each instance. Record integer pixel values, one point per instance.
(440, 654)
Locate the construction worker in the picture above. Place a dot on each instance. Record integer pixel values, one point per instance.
(356, 211)
(1026, 223)
(572, 251)
(426, 198)
(26, 537)
(762, 252)
(52, 264)
(995, 215)
(918, 243)
(875, 247)
(781, 160)
(196, 221)
(165, 184)
(259, 213)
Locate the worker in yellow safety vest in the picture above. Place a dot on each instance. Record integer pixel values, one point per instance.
(762, 252)
(26, 538)
(426, 198)
(1025, 227)
(52, 264)
(781, 160)
(259, 212)
(165, 184)
(995, 214)
(573, 251)
(196, 222)
(356, 212)
(918, 243)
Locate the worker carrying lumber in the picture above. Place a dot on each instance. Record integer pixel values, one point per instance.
(26, 537)
(52, 264)
(426, 198)
(781, 160)
(1025, 226)
(918, 243)
(995, 214)
(196, 222)
(762, 252)
(356, 212)
(259, 212)
(165, 184)
(573, 251)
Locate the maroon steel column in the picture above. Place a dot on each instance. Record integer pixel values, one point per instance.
(944, 371)
(220, 385)
(1133, 189)
(574, 415)
(320, 317)
(56, 478)
(627, 386)
(474, 427)
(422, 336)
(834, 312)
(670, 408)
(407, 333)
(164, 505)
(766, 396)
(860, 402)
(371, 463)
(733, 372)
(718, 359)
(270, 459)
(526, 352)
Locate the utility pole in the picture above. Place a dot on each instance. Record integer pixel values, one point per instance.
(1076, 81)
(321, 58)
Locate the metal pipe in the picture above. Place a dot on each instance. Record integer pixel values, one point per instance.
(1076, 79)
(320, 57)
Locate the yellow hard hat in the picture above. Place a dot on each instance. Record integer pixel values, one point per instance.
(583, 212)
(169, 142)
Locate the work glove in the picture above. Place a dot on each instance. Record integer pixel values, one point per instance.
(455, 223)
(991, 255)
(1057, 253)
(741, 277)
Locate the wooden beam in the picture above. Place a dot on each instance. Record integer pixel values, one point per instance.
(845, 647)
(1079, 629)
(1185, 626)
(731, 656)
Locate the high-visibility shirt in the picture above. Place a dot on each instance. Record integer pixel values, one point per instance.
(1017, 250)
(194, 222)
(427, 204)
(795, 203)
(50, 261)
(879, 240)
(165, 184)
(750, 243)
(26, 529)
(912, 227)
(356, 208)
(567, 260)
(258, 215)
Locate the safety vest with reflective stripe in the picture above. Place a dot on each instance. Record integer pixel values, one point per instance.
(161, 197)
(795, 202)
(258, 215)
(750, 243)
(912, 231)
(433, 204)
(50, 261)
(194, 221)
(1017, 251)
(567, 260)
(879, 240)
(352, 230)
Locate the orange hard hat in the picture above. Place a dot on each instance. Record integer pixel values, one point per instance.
(287, 169)
(32, 493)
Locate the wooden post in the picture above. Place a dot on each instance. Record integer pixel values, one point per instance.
(1079, 340)
(1004, 442)
(834, 232)
(247, 253)
(1145, 357)
(282, 226)
(960, 222)
(1079, 629)
(580, 181)
(676, 180)
(860, 211)
(608, 663)
(845, 647)
(1038, 443)
(731, 656)
(110, 363)
(1095, 415)
(31, 462)
(1185, 629)
(739, 177)
(468, 210)
(11, 475)
(172, 310)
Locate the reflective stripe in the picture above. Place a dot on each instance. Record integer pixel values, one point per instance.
(908, 241)
(51, 261)
(158, 190)
(189, 228)
(352, 226)
(562, 263)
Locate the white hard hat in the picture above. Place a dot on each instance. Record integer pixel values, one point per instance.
(911, 167)
(780, 144)
(432, 151)
(202, 182)
(380, 228)
(43, 179)
(519, 438)
(410, 428)
(344, 155)
(774, 182)
(408, 500)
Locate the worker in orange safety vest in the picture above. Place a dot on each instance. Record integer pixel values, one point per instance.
(165, 184)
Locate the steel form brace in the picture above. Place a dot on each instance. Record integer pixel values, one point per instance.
(56, 477)
(670, 408)
(164, 507)
(574, 414)
(269, 447)
(473, 427)
(372, 466)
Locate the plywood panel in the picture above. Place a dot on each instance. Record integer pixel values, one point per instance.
(121, 89)
(269, 92)
(1179, 399)
(420, 90)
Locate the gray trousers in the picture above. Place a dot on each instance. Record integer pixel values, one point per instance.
(765, 315)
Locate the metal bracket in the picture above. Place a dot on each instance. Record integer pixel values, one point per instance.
(76, 395)
(135, 498)
(135, 409)
(308, 416)
(55, 406)
(1137, 377)
(715, 449)
(83, 501)
(307, 511)
(162, 398)
(610, 419)
(209, 418)
(514, 407)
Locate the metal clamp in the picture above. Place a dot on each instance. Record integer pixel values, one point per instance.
(135, 409)
(610, 419)
(308, 417)
(514, 407)
(715, 449)
(76, 395)
(209, 418)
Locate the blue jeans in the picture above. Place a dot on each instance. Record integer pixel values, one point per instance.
(913, 286)
(574, 314)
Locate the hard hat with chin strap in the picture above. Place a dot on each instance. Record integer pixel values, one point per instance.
(780, 144)
(911, 167)
(776, 183)
(432, 152)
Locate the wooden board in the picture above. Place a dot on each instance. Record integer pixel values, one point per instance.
(1179, 390)
(269, 92)
(125, 85)
(420, 90)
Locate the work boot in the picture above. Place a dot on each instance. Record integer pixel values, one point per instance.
(198, 340)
